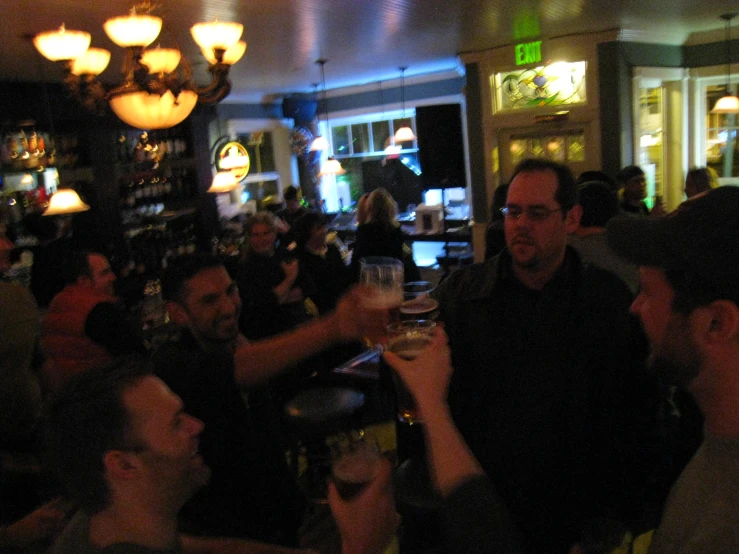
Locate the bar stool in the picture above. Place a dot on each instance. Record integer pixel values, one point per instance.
(313, 416)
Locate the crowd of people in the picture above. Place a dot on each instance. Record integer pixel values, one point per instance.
(582, 390)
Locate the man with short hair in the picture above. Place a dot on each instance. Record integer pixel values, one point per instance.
(289, 215)
(599, 203)
(542, 391)
(689, 308)
(127, 453)
(86, 324)
(633, 183)
(252, 493)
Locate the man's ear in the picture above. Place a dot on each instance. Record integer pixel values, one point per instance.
(178, 314)
(120, 465)
(719, 322)
(572, 218)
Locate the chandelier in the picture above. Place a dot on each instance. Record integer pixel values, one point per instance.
(158, 89)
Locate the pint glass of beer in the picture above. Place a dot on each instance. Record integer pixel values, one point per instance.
(407, 339)
(384, 276)
(417, 304)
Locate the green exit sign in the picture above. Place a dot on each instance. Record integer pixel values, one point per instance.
(528, 52)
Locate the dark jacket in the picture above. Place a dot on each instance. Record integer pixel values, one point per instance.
(375, 239)
(548, 392)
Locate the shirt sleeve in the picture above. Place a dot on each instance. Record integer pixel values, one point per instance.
(108, 324)
(475, 521)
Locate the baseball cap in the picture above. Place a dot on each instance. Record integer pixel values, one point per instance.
(701, 237)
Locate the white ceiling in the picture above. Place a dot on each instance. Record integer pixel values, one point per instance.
(364, 40)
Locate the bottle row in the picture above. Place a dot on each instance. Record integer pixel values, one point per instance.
(144, 189)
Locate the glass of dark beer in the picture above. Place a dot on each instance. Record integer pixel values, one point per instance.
(355, 462)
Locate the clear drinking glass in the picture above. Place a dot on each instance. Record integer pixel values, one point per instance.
(355, 462)
(407, 339)
(384, 276)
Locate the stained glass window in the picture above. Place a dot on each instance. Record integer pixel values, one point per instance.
(554, 84)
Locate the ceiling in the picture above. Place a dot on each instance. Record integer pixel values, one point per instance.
(364, 40)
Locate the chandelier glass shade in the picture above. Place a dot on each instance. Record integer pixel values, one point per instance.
(65, 201)
(158, 88)
(145, 110)
(62, 44)
(729, 103)
(92, 62)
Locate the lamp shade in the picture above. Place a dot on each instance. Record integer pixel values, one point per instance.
(230, 56)
(319, 144)
(161, 60)
(217, 34)
(404, 134)
(62, 44)
(726, 104)
(152, 111)
(92, 62)
(65, 201)
(224, 181)
(331, 167)
(133, 29)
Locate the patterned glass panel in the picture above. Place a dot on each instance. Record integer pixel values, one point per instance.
(556, 149)
(554, 84)
(519, 150)
(576, 148)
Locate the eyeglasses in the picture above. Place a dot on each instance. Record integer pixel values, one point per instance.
(534, 213)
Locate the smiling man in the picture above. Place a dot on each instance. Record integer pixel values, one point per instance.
(689, 308)
(125, 451)
(252, 493)
(544, 367)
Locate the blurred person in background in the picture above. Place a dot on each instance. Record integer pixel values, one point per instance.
(380, 235)
(699, 179)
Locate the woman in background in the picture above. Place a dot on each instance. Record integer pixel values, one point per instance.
(379, 234)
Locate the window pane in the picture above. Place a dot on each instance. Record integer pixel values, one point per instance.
(360, 138)
(340, 136)
(556, 149)
(576, 148)
(519, 150)
(380, 135)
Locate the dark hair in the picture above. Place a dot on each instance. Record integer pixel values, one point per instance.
(701, 179)
(587, 176)
(182, 270)
(79, 266)
(565, 195)
(599, 203)
(85, 419)
(290, 193)
(628, 172)
(305, 224)
(499, 198)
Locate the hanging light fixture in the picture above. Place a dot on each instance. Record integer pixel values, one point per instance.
(404, 133)
(391, 150)
(319, 143)
(65, 201)
(331, 166)
(152, 95)
(729, 103)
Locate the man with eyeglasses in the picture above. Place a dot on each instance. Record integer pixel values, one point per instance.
(543, 390)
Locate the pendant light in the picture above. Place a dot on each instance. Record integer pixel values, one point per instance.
(729, 103)
(319, 143)
(404, 133)
(65, 201)
(391, 150)
(331, 166)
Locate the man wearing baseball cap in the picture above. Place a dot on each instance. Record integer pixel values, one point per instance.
(689, 308)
